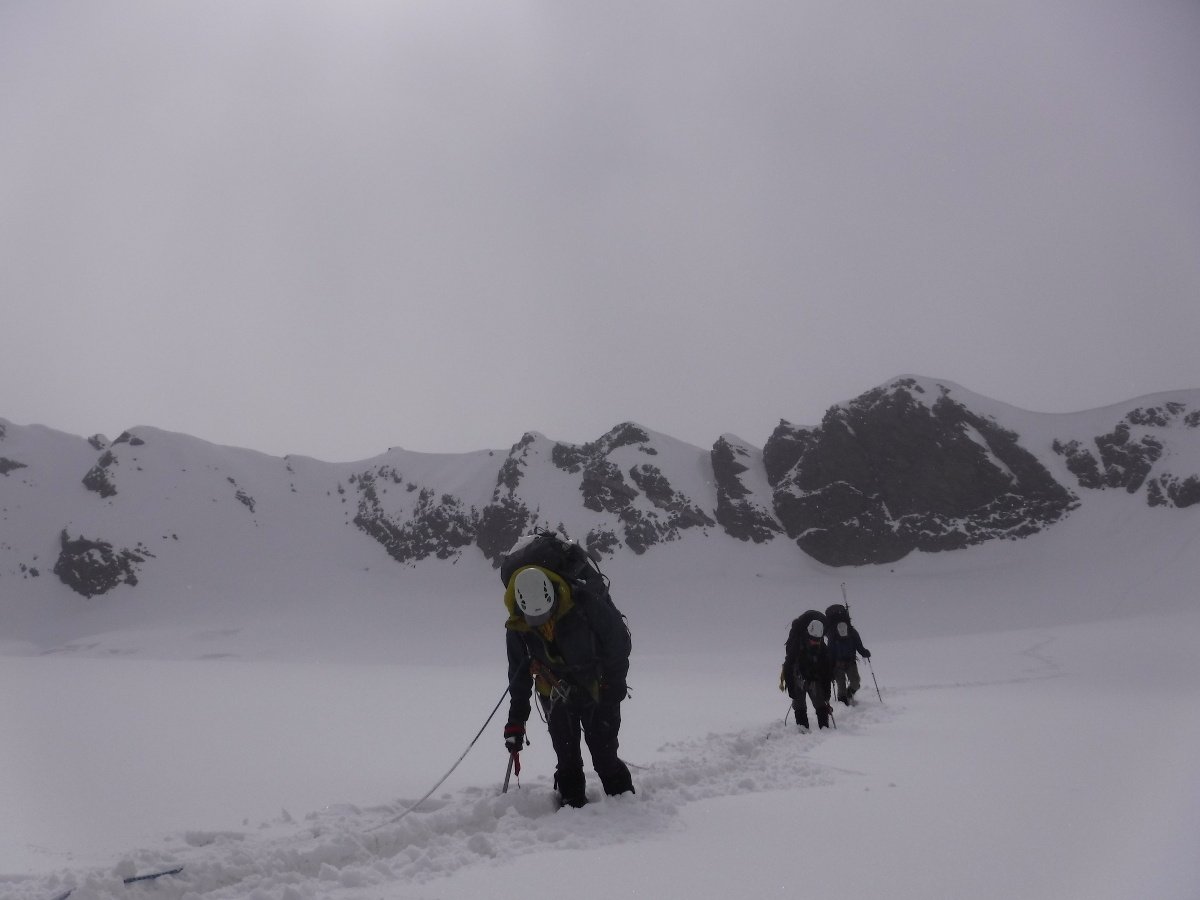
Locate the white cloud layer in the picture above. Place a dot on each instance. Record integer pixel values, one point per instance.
(330, 228)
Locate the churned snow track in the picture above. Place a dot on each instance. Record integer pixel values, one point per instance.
(345, 851)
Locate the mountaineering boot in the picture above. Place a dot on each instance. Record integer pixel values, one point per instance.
(801, 717)
(617, 782)
(570, 788)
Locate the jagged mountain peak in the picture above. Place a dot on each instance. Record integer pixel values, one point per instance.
(915, 464)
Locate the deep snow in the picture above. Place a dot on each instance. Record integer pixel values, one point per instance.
(1036, 740)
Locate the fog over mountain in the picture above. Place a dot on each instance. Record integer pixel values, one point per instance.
(246, 671)
(914, 465)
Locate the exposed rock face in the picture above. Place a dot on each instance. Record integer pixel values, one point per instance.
(649, 512)
(1124, 462)
(500, 525)
(241, 496)
(736, 511)
(99, 478)
(507, 517)
(912, 465)
(1168, 490)
(784, 448)
(9, 465)
(681, 512)
(603, 485)
(572, 458)
(436, 526)
(91, 567)
(897, 470)
(604, 489)
(1128, 456)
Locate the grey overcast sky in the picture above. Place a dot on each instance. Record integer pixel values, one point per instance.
(329, 228)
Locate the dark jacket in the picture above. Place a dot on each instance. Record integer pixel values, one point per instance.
(843, 649)
(805, 658)
(587, 650)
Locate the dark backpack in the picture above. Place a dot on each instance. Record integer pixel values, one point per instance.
(837, 613)
(563, 557)
(589, 586)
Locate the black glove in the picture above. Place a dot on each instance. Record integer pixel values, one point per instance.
(514, 737)
(866, 654)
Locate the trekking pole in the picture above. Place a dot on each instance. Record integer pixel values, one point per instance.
(846, 601)
(872, 668)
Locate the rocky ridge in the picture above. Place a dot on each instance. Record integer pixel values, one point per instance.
(912, 465)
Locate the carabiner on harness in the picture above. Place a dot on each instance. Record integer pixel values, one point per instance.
(559, 691)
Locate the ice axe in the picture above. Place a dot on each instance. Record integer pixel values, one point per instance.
(514, 761)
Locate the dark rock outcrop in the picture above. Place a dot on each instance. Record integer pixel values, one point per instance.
(601, 541)
(784, 448)
(604, 490)
(912, 465)
(897, 470)
(99, 478)
(603, 487)
(436, 526)
(1126, 458)
(736, 512)
(501, 524)
(680, 511)
(503, 521)
(10, 465)
(91, 567)
(1168, 490)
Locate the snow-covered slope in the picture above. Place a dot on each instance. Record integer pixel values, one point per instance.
(1034, 737)
(156, 529)
(286, 678)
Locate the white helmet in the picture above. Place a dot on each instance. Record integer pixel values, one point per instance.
(534, 593)
(816, 629)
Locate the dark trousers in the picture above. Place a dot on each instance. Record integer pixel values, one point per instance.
(816, 691)
(845, 673)
(599, 726)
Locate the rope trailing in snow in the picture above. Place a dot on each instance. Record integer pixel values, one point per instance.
(451, 770)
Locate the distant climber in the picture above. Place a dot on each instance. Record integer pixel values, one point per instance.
(845, 646)
(808, 668)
